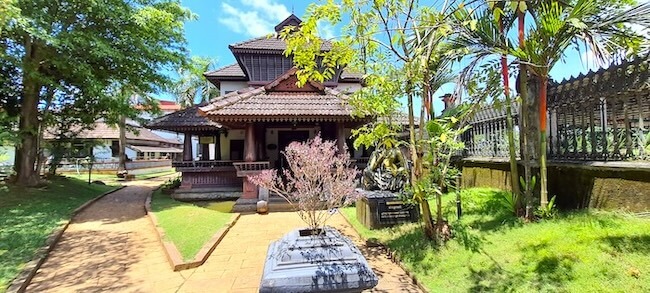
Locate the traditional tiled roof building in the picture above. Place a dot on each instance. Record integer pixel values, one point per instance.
(260, 110)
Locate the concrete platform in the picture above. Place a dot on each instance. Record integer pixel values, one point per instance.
(276, 204)
(197, 194)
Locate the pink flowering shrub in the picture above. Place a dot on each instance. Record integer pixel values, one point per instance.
(317, 182)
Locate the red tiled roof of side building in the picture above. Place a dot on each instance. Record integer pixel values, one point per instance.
(165, 106)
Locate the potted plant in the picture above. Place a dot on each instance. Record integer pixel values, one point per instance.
(317, 258)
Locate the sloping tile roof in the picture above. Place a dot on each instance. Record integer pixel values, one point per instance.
(143, 148)
(188, 118)
(104, 131)
(232, 70)
(272, 43)
(280, 99)
(351, 75)
(257, 102)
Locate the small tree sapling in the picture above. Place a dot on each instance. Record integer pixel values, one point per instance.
(319, 180)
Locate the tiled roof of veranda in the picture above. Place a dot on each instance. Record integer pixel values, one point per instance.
(104, 131)
(184, 120)
(274, 103)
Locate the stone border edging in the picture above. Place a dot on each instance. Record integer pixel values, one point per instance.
(24, 278)
(393, 256)
(171, 251)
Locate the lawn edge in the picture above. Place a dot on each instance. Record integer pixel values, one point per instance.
(392, 255)
(24, 278)
(171, 251)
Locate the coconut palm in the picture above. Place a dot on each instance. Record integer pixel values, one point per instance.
(192, 84)
(601, 27)
(604, 31)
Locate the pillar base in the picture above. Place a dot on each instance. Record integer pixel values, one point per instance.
(250, 190)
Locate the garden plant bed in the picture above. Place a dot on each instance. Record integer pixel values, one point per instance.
(187, 232)
(492, 251)
(35, 221)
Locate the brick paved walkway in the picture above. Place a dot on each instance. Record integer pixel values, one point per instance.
(111, 246)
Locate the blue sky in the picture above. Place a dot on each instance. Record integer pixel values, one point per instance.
(221, 23)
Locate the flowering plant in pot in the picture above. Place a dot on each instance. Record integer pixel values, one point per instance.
(318, 180)
(316, 183)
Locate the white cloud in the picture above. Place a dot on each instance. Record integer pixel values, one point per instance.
(325, 30)
(253, 17)
(275, 10)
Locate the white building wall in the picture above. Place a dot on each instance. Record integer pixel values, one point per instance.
(227, 86)
(348, 87)
(131, 154)
(233, 134)
(103, 152)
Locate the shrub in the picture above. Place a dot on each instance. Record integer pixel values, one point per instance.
(171, 184)
(318, 181)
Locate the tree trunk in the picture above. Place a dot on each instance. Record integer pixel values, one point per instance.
(514, 171)
(429, 230)
(524, 125)
(514, 168)
(121, 166)
(26, 151)
(41, 150)
(542, 140)
(28, 147)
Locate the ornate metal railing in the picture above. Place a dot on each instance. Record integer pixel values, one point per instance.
(600, 116)
(197, 166)
(250, 168)
(487, 136)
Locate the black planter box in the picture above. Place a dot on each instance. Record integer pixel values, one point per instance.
(380, 209)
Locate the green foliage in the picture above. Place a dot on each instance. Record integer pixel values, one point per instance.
(548, 211)
(83, 60)
(528, 186)
(192, 84)
(188, 226)
(171, 184)
(30, 215)
(493, 251)
(509, 202)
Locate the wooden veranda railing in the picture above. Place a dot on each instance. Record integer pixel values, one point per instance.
(250, 168)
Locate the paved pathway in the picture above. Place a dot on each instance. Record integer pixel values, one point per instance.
(111, 246)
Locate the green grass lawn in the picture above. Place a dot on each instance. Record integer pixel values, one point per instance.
(188, 226)
(113, 179)
(29, 216)
(492, 251)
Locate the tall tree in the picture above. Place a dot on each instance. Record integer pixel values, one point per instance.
(83, 48)
(556, 27)
(191, 82)
(400, 36)
(560, 26)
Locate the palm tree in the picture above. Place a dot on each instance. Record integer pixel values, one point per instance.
(557, 26)
(192, 84)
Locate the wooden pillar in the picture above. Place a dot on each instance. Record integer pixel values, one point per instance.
(187, 147)
(340, 136)
(217, 147)
(205, 152)
(249, 143)
(260, 142)
(250, 190)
